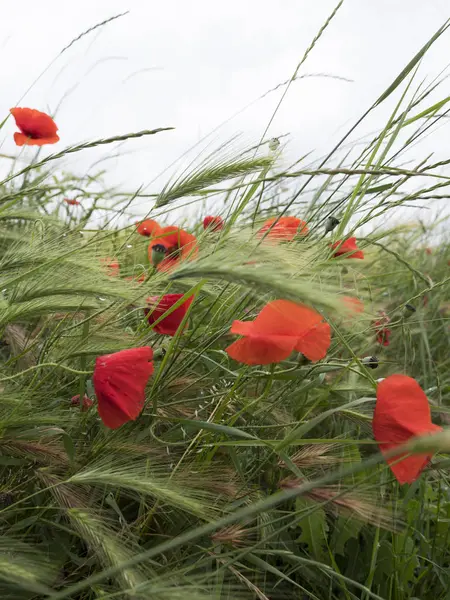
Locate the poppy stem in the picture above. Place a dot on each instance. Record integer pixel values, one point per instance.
(82, 388)
(42, 365)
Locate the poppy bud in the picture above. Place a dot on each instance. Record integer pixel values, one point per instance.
(274, 143)
(160, 353)
(158, 254)
(371, 362)
(331, 223)
(6, 499)
(409, 310)
(87, 402)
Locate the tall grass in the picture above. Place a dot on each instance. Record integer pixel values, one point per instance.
(235, 481)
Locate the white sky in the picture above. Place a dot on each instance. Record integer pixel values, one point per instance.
(193, 64)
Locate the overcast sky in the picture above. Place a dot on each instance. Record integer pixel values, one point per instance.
(193, 64)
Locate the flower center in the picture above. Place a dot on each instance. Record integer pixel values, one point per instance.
(158, 254)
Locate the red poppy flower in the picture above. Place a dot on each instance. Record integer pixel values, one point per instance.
(71, 202)
(383, 336)
(280, 328)
(353, 305)
(285, 228)
(382, 331)
(87, 402)
(347, 247)
(168, 325)
(170, 246)
(213, 223)
(112, 267)
(402, 411)
(37, 128)
(149, 227)
(119, 383)
(137, 279)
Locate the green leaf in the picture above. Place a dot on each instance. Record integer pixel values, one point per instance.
(406, 558)
(412, 63)
(304, 428)
(68, 446)
(379, 188)
(216, 428)
(386, 563)
(344, 530)
(314, 529)
(11, 460)
(442, 535)
(430, 110)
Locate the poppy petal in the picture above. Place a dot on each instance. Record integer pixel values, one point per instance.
(20, 139)
(283, 228)
(188, 244)
(23, 140)
(402, 408)
(282, 317)
(348, 248)
(34, 123)
(353, 305)
(178, 243)
(119, 382)
(315, 343)
(408, 469)
(242, 327)
(277, 330)
(213, 223)
(118, 405)
(111, 266)
(402, 411)
(259, 351)
(148, 227)
(168, 325)
(36, 128)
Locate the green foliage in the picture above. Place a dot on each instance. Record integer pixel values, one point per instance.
(314, 530)
(235, 481)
